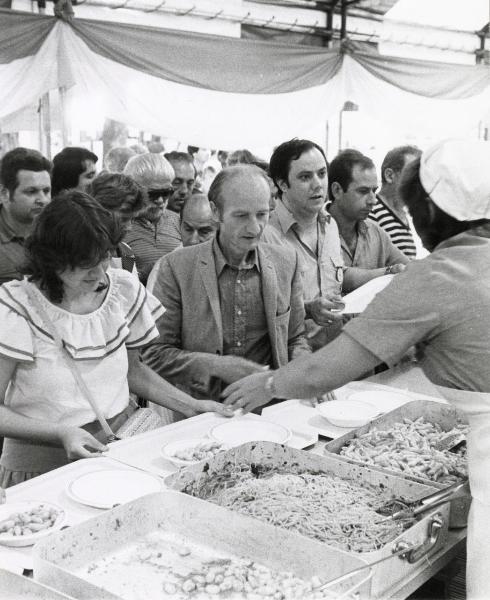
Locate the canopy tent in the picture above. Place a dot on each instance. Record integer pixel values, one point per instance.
(222, 92)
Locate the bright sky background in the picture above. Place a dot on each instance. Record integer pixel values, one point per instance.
(463, 15)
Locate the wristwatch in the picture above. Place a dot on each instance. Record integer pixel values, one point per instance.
(389, 270)
(270, 388)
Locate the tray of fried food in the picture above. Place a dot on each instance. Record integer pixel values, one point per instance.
(405, 441)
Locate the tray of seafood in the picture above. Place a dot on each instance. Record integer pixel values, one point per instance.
(325, 499)
(172, 546)
(409, 441)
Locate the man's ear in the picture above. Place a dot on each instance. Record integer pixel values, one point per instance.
(282, 185)
(215, 211)
(389, 175)
(336, 189)
(4, 194)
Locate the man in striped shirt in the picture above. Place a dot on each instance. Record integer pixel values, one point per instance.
(389, 212)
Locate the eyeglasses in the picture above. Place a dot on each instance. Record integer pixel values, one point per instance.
(164, 193)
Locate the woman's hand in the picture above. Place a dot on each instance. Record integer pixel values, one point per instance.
(79, 443)
(248, 393)
(202, 406)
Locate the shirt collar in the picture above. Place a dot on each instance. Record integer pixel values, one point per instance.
(286, 218)
(221, 262)
(7, 234)
(362, 228)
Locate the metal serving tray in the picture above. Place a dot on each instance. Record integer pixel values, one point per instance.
(59, 560)
(446, 416)
(430, 533)
(18, 587)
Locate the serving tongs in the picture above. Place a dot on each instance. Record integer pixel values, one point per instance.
(410, 510)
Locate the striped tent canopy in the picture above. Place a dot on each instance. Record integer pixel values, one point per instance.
(220, 92)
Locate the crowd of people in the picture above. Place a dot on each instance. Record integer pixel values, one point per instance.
(200, 286)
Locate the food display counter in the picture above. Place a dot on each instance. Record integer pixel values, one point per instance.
(144, 455)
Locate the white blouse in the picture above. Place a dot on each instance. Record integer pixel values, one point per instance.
(43, 386)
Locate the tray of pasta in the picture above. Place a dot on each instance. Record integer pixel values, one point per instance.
(322, 498)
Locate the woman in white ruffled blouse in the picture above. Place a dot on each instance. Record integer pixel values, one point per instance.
(103, 316)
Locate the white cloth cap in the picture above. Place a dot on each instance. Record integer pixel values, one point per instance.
(456, 175)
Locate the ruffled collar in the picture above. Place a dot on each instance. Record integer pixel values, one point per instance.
(87, 336)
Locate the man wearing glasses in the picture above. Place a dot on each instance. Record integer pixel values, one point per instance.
(156, 230)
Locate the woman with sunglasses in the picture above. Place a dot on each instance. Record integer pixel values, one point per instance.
(156, 230)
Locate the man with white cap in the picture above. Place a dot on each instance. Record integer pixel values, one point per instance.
(441, 303)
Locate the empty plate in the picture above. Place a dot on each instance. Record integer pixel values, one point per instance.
(347, 413)
(105, 489)
(384, 401)
(240, 431)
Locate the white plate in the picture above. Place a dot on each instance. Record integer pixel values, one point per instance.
(104, 489)
(240, 431)
(383, 401)
(11, 508)
(347, 413)
(171, 448)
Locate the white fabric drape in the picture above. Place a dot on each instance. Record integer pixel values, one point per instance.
(209, 118)
(221, 118)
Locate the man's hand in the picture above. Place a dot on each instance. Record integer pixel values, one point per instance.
(248, 393)
(398, 268)
(324, 311)
(233, 368)
(79, 443)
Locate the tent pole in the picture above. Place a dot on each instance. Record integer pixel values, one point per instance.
(64, 116)
(45, 125)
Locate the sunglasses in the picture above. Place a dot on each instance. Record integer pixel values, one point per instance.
(164, 193)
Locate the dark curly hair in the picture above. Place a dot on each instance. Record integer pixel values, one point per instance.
(74, 230)
(118, 192)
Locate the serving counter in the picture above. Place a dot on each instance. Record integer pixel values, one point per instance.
(144, 452)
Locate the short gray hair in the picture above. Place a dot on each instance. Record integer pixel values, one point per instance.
(228, 174)
(143, 168)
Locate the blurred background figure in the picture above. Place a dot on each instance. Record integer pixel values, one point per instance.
(222, 156)
(199, 157)
(156, 147)
(123, 196)
(156, 230)
(117, 158)
(184, 180)
(245, 157)
(73, 168)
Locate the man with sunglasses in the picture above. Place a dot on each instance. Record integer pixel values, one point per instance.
(156, 230)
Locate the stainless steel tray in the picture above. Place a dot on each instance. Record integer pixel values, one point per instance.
(59, 559)
(436, 412)
(430, 533)
(18, 587)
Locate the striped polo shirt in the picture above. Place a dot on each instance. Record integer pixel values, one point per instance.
(150, 241)
(399, 233)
